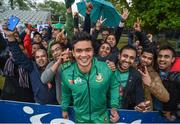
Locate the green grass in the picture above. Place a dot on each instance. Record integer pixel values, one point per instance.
(172, 42)
(1, 82)
(123, 41)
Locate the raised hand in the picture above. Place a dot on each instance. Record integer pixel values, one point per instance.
(61, 37)
(9, 34)
(59, 59)
(145, 76)
(100, 22)
(150, 37)
(137, 25)
(125, 14)
(89, 7)
(76, 14)
(66, 55)
(27, 31)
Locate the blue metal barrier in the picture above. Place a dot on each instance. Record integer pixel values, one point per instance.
(20, 112)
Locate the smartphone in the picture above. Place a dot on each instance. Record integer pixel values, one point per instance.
(12, 22)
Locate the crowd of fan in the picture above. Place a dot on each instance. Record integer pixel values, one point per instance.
(148, 74)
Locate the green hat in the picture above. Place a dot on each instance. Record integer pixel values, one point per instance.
(57, 26)
(69, 3)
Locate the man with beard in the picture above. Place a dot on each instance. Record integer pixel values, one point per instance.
(153, 88)
(52, 72)
(171, 80)
(88, 81)
(130, 89)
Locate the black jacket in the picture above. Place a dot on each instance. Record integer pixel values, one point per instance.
(133, 92)
(172, 84)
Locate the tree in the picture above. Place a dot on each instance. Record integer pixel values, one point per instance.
(57, 9)
(11, 4)
(156, 15)
(21, 4)
(32, 4)
(119, 4)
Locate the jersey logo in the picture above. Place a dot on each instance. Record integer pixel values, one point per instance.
(71, 81)
(77, 80)
(99, 77)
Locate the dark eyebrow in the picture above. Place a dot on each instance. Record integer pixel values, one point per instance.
(166, 55)
(79, 49)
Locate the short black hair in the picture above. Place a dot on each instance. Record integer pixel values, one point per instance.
(105, 29)
(36, 33)
(56, 42)
(149, 51)
(45, 29)
(153, 52)
(43, 50)
(40, 45)
(20, 44)
(128, 47)
(34, 43)
(81, 36)
(112, 35)
(166, 47)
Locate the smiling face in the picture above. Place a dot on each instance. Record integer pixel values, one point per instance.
(104, 34)
(37, 38)
(35, 47)
(126, 59)
(165, 59)
(41, 58)
(139, 50)
(146, 59)
(56, 50)
(55, 33)
(104, 50)
(111, 40)
(83, 53)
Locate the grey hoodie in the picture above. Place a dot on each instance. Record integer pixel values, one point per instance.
(49, 76)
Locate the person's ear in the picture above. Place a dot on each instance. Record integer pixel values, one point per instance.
(173, 60)
(119, 56)
(73, 53)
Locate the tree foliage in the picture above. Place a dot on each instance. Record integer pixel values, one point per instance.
(32, 4)
(20, 4)
(57, 8)
(156, 15)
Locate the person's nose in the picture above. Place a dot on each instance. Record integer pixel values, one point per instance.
(83, 53)
(127, 59)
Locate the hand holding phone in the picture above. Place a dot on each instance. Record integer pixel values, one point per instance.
(12, 22)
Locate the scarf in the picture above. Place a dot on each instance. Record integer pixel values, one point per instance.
(23, 74)
(164, 75)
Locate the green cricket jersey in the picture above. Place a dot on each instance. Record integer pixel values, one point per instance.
(89, 92)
